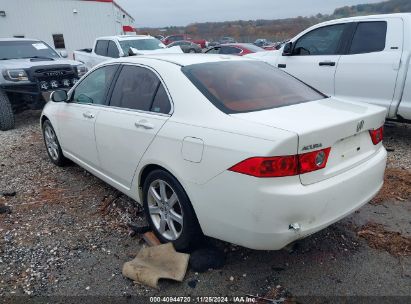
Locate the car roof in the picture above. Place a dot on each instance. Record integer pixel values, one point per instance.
(183, 59)
(182, 41)
(237, 44)
(127, 37)
(367, 17)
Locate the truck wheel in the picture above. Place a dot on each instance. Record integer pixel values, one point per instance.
(6, 113)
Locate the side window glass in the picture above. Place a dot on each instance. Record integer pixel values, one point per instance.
(232, 50)
(161, 102)
(215, 50)
(224, 50)
(321, 41)
(101, 47)
(93, 89)
(112, 50)
(369, 37)
(135, 89)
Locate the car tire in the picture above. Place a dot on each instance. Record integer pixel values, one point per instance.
(6, 113)
(52, 144)
(192, 51)
(176, 223)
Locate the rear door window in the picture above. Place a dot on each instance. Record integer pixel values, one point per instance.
(246, 86)
(101, 48)
(369, 37)
(161, 103)
(136, 89)
(112, 50)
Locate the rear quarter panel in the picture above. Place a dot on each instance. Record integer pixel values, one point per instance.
(220, 151)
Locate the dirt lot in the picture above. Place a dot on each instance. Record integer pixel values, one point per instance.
(60, 237)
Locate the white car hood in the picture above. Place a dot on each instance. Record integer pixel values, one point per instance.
(27, 63)
(172, 50)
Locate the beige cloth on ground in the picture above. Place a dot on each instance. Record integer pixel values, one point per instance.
(158, 262)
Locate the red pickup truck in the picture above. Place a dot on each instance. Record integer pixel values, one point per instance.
(173, 38)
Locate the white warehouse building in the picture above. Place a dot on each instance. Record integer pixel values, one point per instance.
(63, 24)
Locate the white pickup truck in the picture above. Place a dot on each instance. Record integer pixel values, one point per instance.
(360, 58)
(109, 47)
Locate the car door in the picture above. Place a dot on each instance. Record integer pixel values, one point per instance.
(315, 57)
(139, 106)
(369, 70)
(77, 117)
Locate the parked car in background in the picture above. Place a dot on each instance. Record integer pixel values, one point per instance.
(213, 43)
(121, 46)
(173, 38)
(232, 148)
(186, 46)
(239, 49)
(262, 42)
(364, 58)
(225, 40)
(29, 69)
(269, 47)
(159, 37)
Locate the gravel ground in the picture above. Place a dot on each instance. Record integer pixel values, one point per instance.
(67, 235)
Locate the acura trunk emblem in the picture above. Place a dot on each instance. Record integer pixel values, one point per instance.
(360, 125)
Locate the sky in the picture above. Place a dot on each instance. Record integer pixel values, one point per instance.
(159, 13)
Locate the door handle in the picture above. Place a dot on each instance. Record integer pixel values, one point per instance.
(144, 124)
(88, 115)
(327, 63)
(282, 65)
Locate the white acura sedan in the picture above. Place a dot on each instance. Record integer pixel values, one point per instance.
(223, 146)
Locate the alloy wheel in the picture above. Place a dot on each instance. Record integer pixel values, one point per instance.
(165, 209)
(51, 142)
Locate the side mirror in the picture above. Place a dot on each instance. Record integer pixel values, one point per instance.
(59, 96)
(64, 54)
(288, 49)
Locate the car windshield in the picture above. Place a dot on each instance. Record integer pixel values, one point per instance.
(25, 49)
(246, 86)
(149, 44)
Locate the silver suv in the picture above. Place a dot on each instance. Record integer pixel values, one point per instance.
(28, 69)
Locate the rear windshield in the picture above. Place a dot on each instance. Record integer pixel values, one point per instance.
(149, 44)
(246, 86)
(25, 49)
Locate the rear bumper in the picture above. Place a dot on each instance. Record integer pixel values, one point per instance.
(256, 213)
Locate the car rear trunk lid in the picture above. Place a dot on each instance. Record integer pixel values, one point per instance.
(343, 126)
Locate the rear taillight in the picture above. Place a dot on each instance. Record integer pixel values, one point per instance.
(313, 161)
(283, 165)
(377, 135)
(268, 166)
